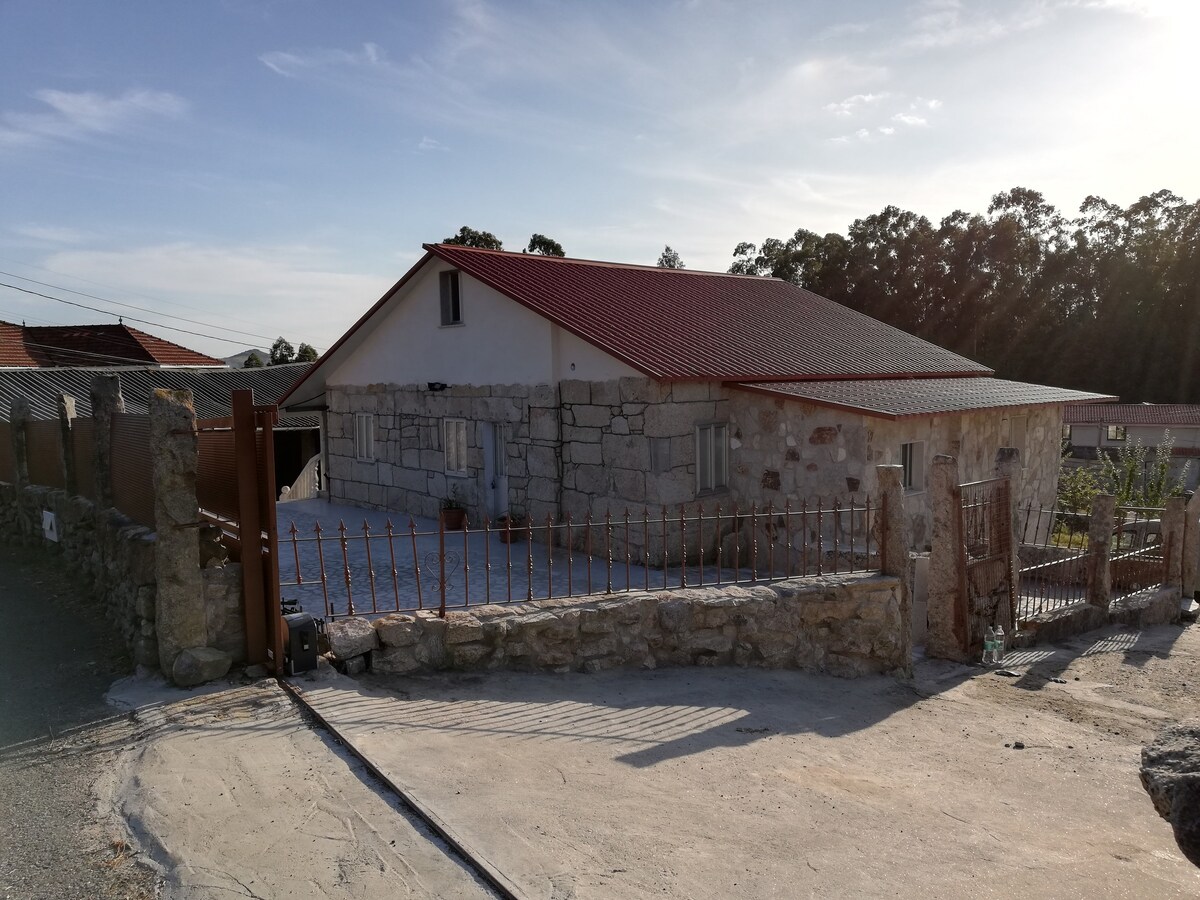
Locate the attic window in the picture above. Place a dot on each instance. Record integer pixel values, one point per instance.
(451, 299)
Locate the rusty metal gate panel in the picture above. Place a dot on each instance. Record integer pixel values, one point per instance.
(987, 559)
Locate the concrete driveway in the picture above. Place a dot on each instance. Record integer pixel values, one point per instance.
(741, 783)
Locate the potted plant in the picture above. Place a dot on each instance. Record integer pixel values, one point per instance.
(454, 512)
(510, 528)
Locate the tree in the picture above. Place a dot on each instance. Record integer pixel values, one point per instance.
(306, 353)
(281, 353)
(253, 361)
(469, 237)
(539, 243)
(669, 259)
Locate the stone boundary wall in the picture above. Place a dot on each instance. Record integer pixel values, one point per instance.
(845, 625)
(113, 554)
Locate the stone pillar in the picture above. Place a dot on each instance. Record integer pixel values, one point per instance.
(179, 615)
(19, 415)
(106, 403)
(1191, 547)
(66, 421)
(1172, 535)
(1008, 465)
(1099, 555)
(893, 550)
(947, 602)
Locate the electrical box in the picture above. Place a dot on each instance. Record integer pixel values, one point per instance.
(301, 647)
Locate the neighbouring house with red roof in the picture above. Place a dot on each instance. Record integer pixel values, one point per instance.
(543, 386)
(1099, 428)
(57, 346)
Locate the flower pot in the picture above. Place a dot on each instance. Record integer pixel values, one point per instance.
(453, 519)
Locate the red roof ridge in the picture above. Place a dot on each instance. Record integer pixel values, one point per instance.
(599, 263)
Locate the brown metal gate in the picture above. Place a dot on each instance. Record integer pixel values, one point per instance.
(987, 560)
(236, 488)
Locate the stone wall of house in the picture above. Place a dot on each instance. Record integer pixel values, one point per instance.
(114, 556)
(629, 445)
(786, 449)
(848, 625)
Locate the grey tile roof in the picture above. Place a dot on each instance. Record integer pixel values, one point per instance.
(211, 388)
(897, 398)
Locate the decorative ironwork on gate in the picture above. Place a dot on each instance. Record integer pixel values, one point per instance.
(986, 568)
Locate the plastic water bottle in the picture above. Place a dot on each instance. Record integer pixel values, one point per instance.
(989, 646)
(998, 645)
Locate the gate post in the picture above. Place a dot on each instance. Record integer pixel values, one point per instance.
(1191, 547)
(245, 454)
(106, 402)
(1099, 555)
(1172, 535)
(894, 549)
(947, 636)
(19, 415)
(66, 421)
(180, 622)
(1008, 465)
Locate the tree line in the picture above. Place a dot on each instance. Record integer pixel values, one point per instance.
(281, 353)
(1108, 300)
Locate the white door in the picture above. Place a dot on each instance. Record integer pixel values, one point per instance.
(495, 470)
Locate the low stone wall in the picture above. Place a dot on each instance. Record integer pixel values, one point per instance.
(846, 625)
(1154, 606)
(113, 554)
(115, 557)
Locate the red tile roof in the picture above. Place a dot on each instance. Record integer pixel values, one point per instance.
(91, 345)
(1164, 415)
(901, 398)
(683, 324)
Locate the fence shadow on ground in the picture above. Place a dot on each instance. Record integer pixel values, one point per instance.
(641, 717)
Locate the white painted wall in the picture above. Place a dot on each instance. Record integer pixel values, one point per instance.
(498, 342)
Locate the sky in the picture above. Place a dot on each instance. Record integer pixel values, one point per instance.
(272, 167)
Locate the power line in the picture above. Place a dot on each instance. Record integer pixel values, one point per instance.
(112, 287)
(107, 312)
(59, 287)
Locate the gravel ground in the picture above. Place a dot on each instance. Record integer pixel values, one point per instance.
(57, 736)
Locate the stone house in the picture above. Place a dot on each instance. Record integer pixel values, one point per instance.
(541, 386)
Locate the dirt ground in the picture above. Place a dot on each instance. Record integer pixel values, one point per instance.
(726, 782)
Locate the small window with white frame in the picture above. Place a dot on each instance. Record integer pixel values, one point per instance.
(912, 459)
(455, 445)
(451, 298)
(1115, 433)
(364, 436)
(712, 457)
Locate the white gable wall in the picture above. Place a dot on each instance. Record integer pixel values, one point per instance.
(498, 342)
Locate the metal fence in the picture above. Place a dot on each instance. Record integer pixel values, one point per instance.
(366, 570)
(1139, 556)
(1053, 549)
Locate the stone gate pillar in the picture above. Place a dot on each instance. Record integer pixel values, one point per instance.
(180, 620)
(1099, 555)
(947, 605)
(1173, 541)
(66, 421)
(1191, 546)
(19, 415)
(106, 403)
(894, 549)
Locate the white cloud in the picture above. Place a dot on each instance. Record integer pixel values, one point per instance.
(909, 119)
(293, 65)
(427, 144)
(78, 115)
(886, 129)
(862, 134)
(850, 105)
(53, 234)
